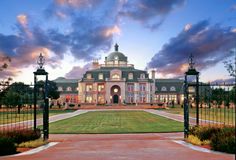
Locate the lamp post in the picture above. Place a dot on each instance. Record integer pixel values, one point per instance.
(191, 72)
(41, 72)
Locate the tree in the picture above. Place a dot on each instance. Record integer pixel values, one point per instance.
(17, 94)
(52, 89)
(231, 68)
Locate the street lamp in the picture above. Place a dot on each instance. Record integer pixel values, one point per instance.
(41, 72)
(190, 75)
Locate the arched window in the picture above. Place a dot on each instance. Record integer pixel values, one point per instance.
(60, 88)
(142, 76)
(68, 89)
(163, 88)
(130, 76)
(115, 76)
(172, 88)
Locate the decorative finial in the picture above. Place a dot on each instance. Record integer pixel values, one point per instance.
(191, 63)
(41, 61)
(116, 47)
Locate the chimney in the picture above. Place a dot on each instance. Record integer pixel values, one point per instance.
(95, 64)
(153, 74)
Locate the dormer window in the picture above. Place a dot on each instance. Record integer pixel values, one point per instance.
(89, 76)
(115, 76)
(130, 76)
(100, 76)
(68, 89)
(163, 88)
(172, 88)
(142, 76)
(116, 57)
(60, 89)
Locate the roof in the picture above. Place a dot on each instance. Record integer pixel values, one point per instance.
(169, 84)
(116, 56)
(64, 80)
(125, 71)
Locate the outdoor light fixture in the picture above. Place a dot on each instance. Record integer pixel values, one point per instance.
(191, 80)
(41, 72)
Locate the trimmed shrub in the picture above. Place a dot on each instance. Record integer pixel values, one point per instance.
(223, 141)
(19, 136)
(33, 143)
(204, 132)
(7, 146)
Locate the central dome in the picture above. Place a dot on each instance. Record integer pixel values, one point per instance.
(116, 55)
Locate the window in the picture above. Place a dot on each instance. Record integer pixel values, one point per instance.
(89, 87)
(142, 87)
(142, 98)
(130, 87)
(163, 98)
(88, 99)
(89, 76)
(163, 88)
(101, 99)
(130, 98)
(142, 76)
(115, 76)
(101, 87)
(100, 76)
(60, 89)
(172, 88)
(130, 76)
(68, 89)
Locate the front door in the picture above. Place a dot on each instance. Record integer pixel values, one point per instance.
(115, 99)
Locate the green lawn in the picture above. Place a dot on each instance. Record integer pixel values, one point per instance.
(115, 122)
(13, 116)
(216, 114)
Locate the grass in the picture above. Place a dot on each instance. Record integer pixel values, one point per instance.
(115, 122)
(215, 114)
(11, 116)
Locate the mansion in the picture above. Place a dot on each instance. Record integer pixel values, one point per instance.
(117, 82)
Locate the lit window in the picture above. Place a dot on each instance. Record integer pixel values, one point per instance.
(115, 76)
(163, 88)
(130, 76)
(88, 99)
(100, 76)
(100, 87)
(89, 76)
(89, 87)
(60, 89)
(172, 88)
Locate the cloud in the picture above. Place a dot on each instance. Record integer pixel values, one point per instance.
(150, 13)
(226, 81)
(78, 72)
(210, 44)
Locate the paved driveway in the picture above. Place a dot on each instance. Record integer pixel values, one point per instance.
(151, 146)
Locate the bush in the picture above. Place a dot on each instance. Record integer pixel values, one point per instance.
(195, 140)
(33, 143)
(222, 138)
(7, 146)
(223, 141)
(19, 136)
(204, 132)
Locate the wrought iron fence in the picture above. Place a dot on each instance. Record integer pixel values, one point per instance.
(17, 106)
(216, 104)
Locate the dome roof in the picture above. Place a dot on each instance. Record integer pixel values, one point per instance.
(116, 55)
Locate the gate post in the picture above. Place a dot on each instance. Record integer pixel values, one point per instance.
(186, 109)
(41, 72)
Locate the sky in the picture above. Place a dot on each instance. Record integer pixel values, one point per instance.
(153, 34)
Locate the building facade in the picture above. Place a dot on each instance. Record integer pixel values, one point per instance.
(117, 82)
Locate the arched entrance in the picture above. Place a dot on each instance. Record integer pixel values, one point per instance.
(115, 99)
(115, 94)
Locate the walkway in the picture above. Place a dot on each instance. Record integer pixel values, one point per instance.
(151, 146)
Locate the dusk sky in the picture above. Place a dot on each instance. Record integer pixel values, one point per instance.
(153, 34)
